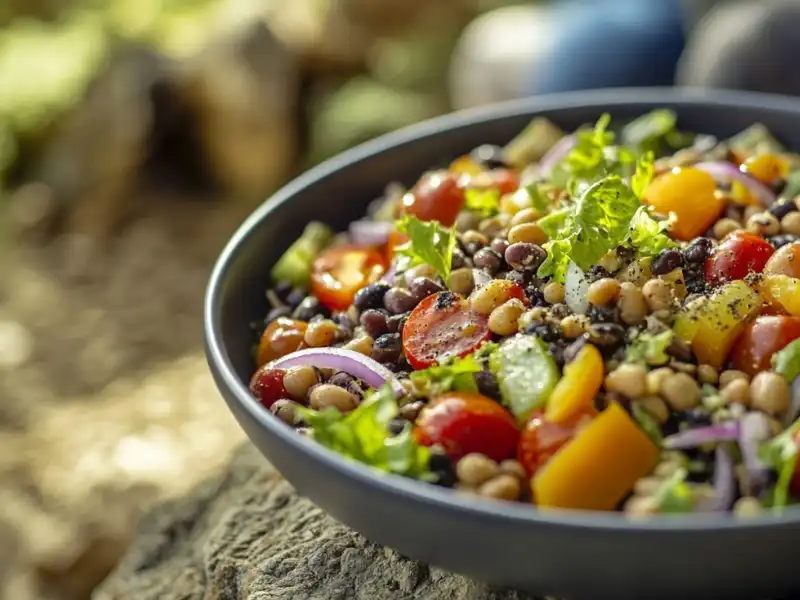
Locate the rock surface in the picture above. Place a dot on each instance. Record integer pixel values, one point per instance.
(247, 534)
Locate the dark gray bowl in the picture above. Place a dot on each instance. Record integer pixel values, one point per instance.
(570, 554)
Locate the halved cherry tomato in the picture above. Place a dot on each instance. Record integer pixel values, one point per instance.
(338, 273)
(281, 337)
(267, 385)
(542, 438)
(442, 326)
(761, 339)
(463, 423)
(740, 253)
(435, 197)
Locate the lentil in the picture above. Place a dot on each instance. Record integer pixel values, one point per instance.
(603, 291)
(504, 320)
(324, 395)
(475, 469)
(769, 393)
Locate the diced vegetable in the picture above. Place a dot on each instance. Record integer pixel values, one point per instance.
(281, 337)
(689, 193)
(580, 383)
(338, 273)
(295, 264)
(599, 467)
(526, 373)
(761, 339)
(740, 254)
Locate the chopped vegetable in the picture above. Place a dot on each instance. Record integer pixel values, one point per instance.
(782, 292)
(532, 143)
(649, 348)
(457, 374)
(577, 388)
(295, 264)
(675, 495)
(761, 340)
(648, 423)
(787, 361)
(526, 373)
(781, 453)
(598, 467)
(485, 202)
(429, 243)
(338, 273)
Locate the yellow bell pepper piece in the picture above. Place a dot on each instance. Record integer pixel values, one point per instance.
(713, 326)
(783, 292)
(577, 387)
(599, 466)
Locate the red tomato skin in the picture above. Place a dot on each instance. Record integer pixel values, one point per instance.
(541, 439)
(267, 385)
(462, 423)
(761, 339)
(435, 197)
(329, 288)
(440, 327)
(737, 255)
(504, 181)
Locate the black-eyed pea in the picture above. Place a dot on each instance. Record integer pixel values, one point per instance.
(747, 507)
(574, 326)
(514, 467)
(657, 294)
(609, 261)
(320, 333)
(791, 223)
(655, 378)
(707, 374)
(298, 380)
(655, 407)
(362, 344)
(501, 487)
(729, 375)
(286, 411)
(751, 211)
(324, 395)
(736, 392)
(553, 292)
(537, 314)
(680, 391)
(504, 320)
(627, 379)
(475, 469)
(462, 281)
(769, 393)
(763, 223)
(631, 304)
(725, 226)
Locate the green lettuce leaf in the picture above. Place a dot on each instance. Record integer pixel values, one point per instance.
(485, 202)
(363, 435)
(675, 495)
(650, 349)
(648, 423)
(781, 453)
(454, 375)
(787, 361)
(429, 243)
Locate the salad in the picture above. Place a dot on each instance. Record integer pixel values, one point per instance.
(601, 320)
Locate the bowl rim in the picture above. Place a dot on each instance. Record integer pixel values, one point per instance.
(433, 496)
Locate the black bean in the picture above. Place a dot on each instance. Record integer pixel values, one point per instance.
(571, 351)
(343, 320)
(422, 287)
(399, 300)
(282, 289)
(489, 156)
(546, 332)
(395, 323)
(697, 251)
(698, 417)
(370, 296)
(487, 384)
(499, 245)
(487, 259)
(524, 256)
(535, 296)
(778, 185)
(784, 239)
(397, 425)
(695, 277)
(276, 313)
(596, 272)
(603, 314)
(439, 462)
(295, 297)
(606, 334)
(387, 348)
(444, 470)
(666, 261)
(782, 208)
(309, 308)
(472, 248)
(341, 379)
(459, 260)
(374, 322)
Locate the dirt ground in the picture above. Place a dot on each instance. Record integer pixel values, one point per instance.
(106, 405)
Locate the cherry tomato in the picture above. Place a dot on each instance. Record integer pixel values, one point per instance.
(785, 261)
(767, 167)
(739, 253)
(338, 273)
(267, 385)
(435, 197)
(504, 181)
(761, 339)
(281, 337)
(442, 326)
(541, 438)
(463, 423)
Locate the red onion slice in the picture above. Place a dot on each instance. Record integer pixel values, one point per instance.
(754, 430)
(691, 438)
(724, 483)
(727, 172)
(556, 154)
(370, 233)
(356, 364)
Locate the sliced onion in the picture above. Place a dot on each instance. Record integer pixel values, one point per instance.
(370, 233)
(556, 154)
(704, 143)
(726, 172)
(794, 404)
(754, 430)
(356, 364)
(724, 483)
(692, 438)
(576, 287)
(480, 277)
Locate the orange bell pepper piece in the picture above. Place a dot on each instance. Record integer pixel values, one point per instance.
(578, 386)
(599, 466)
(782, 292)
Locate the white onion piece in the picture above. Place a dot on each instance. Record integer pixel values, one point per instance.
(754, 430)
(556, 154)
(726, 172)
(370, 233)
(356, 364)
(575, 289)
(794, 404)
(480, 277)
(691, 438)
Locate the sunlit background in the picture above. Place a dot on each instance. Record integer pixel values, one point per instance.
(134, 136)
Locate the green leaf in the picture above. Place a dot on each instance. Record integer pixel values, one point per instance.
(295, 264)
(650, 130)
(648, 423)
(485, 202)
(781, 453)
(645, 167)
(650, 349)
(675, 495)
(456, 374)
(429, 243)
(363, 435)
(539, 200)
(787, 361)
(648, 235)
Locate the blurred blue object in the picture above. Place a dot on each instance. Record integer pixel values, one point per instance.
(612, 43)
